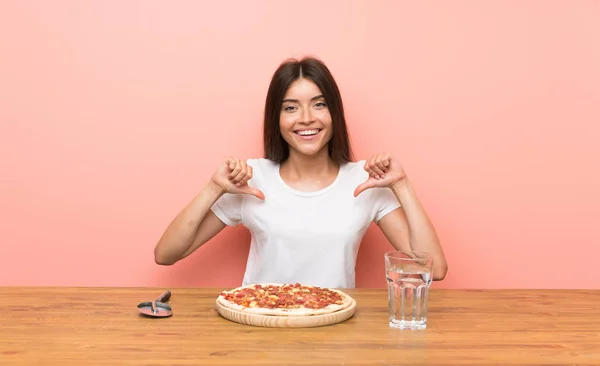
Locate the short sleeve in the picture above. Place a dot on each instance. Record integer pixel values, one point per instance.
(384, 201)
(228, 208)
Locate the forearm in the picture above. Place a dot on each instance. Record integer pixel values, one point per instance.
(180, 234)
(422, 234)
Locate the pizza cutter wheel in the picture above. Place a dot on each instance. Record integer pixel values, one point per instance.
(157, 308)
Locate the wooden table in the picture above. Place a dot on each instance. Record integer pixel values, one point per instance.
(101, 326)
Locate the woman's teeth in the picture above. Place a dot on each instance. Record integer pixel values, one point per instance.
(307, 132)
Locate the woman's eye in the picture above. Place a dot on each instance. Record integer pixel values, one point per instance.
(289, 108)
(321, 105)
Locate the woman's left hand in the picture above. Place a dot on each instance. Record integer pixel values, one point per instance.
(384, 171)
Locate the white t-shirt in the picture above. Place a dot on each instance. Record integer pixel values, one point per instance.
(306, 237)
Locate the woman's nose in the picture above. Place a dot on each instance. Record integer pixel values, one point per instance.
(306, 116)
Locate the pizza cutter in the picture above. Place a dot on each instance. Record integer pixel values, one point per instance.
(157, 308)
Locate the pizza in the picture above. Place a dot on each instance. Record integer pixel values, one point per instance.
(284, 299)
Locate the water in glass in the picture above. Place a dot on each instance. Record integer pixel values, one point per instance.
(409, 278)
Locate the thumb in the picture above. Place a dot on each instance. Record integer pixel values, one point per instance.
(253, 191)
(362, 187)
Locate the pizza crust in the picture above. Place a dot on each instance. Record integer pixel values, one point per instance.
(332, 308)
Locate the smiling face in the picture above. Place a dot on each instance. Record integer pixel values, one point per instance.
(305, 122)
(303, 96)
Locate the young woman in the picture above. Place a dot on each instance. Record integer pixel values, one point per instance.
(307, 204)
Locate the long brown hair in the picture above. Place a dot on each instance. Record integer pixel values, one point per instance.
(276, 148)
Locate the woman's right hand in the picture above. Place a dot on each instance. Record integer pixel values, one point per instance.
(233, 177)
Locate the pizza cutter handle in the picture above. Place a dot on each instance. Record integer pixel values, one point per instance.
(164, 297)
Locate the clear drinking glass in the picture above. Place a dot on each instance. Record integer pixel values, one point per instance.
(409, 275)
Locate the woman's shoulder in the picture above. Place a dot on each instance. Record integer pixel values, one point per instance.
(356, 165)
(356, 169)
(262, 167)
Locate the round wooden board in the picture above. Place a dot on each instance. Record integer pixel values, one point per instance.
(287, 321)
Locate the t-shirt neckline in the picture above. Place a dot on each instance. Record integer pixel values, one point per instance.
(313, 193)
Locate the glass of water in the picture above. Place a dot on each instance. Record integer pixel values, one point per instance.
(409, 275)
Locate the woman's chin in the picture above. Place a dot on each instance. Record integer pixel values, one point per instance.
(311, 151)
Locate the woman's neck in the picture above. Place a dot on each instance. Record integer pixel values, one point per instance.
(309, 173)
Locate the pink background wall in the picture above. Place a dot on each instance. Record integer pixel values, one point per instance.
(113, 114)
